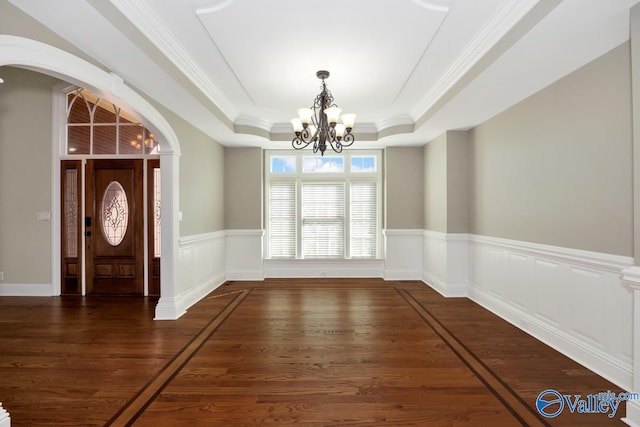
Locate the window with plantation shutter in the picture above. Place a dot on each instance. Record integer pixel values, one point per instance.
(322, 207)
(282, 220)
(323, 220)
(364, 224)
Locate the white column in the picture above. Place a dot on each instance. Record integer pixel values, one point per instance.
(170, 305)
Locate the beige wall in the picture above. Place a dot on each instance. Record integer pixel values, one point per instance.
(556, 168)
(446, 183)
(435, 184)
(25, 175)
(404, 188)
(243, 188)
(201, 178)
(457, 182)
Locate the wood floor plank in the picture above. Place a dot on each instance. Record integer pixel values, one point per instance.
(329, 370)
(354, 352)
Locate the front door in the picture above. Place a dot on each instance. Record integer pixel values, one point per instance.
(114, 227)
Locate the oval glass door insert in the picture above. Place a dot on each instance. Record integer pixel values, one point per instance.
(114, 213)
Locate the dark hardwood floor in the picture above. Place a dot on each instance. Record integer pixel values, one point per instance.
(316, 352)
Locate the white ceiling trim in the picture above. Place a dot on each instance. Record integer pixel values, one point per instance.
(144, 18)
(508, 15)
(255, 122)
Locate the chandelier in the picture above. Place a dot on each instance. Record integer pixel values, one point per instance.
(319, 124)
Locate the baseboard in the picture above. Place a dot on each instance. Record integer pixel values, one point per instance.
(449, 290)
(401, 274)
(197, 293)
(26, 290)
(169, 308)
(323, 268)
(245, 275)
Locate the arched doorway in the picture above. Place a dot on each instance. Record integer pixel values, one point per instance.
(46, 59)
(110, 200)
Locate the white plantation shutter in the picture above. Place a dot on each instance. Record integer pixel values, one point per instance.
(323, 220)
(282, 220)
(363, 219)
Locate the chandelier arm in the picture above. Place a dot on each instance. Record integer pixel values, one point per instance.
(348, 139)
(336, 146)
(298, 143)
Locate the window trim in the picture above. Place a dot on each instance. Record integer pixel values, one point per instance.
(347, 178)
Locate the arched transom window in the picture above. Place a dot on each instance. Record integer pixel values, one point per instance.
(96, 126)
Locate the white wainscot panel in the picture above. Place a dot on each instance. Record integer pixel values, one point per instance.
(244, 259)
(617, 300)
(403, 254)
(446, 262)
(573, 300)
(478, 270)
(518, 287)
(435, 258)
(587, 308)
(548, 282)
(497, 271)
(201, 268)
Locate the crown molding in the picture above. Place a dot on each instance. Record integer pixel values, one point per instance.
(395, 121)
(256, 122)
(143, 17)
(253, 126)
(508, 15)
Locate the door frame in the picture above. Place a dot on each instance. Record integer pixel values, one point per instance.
(146, 188)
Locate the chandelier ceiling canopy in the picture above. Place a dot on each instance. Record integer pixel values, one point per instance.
(321, 124)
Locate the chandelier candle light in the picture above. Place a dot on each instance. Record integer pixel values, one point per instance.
(319, 124)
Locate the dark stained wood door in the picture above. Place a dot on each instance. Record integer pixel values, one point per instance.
(114, 227)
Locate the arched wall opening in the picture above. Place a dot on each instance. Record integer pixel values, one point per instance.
(37, 56)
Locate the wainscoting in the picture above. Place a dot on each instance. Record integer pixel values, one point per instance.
(573, 300)
(201, 266)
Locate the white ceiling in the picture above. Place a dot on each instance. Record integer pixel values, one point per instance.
(410, 69)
